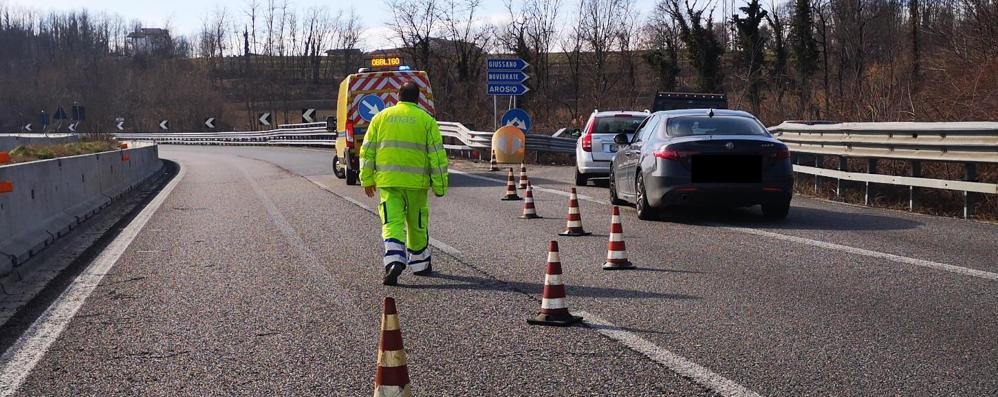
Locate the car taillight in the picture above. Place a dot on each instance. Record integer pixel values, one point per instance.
(350, 139)
(667, 153)
(587, 139)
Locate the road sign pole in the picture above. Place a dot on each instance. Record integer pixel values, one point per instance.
(495, 113)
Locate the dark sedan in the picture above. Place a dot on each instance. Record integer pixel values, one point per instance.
(702, 157)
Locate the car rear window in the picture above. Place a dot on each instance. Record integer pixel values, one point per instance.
(717, 125)
(622, 124)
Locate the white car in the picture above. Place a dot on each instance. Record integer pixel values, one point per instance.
(595, 147)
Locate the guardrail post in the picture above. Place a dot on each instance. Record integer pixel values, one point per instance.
(817, 164)
(843, 166)
(968, 200)
(916, 171)
(871, 168)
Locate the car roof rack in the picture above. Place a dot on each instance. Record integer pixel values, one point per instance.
(688, 100)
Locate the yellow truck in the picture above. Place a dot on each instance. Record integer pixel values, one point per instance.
(362, 95)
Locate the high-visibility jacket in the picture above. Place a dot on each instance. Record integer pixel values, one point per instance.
(403, 148)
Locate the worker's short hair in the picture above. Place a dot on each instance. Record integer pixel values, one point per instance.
(409, 92)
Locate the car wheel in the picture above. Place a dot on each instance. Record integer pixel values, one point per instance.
(337, 170)
(776, 209)
(351, 175)
(613, 190)
(580, 178)
(645, 211)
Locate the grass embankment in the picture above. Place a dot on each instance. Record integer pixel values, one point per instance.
(26, 153)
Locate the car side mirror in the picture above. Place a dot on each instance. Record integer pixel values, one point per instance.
(621, 139)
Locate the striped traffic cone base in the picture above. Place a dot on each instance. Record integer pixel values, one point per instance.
(392, 376)
(510, 188)
(493, 165)
(616, 250)
(573, 226)
(625, 265)
(554, 310)
(529, 211)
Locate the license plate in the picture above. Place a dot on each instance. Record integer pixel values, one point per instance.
(610, 147)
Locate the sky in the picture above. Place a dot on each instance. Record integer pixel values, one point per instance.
(185, 16)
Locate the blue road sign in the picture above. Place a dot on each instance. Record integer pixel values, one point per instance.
(504, 77)
(79, 113)
(507, 89)
(60, 114)
(517, 118)
(369, 106)
(494, 64)
(43, 119)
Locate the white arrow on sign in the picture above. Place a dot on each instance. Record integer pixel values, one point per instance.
(27, 127)
(164, 125)
(371, 108)
(265, 119)
(307, 115)
(120, 126)
(72, 126)
(210, 122)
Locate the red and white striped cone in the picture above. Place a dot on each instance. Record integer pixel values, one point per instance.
(510, 188)
(392, 378)
(493, 165)
(554, 311)
(529, 212)
(616, 252)
(574, 224)
(523, 177)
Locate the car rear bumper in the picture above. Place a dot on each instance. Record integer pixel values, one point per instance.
(661, 193)
(595, 168)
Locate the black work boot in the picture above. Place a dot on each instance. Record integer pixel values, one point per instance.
(425, 272)
(392, 272)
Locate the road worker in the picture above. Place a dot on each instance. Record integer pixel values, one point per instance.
(402, 156)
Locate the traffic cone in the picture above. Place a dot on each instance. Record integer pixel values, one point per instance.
(510, 188)
(392, 378)
(616, 253)
(523, 176)
(529, 212)
(493, 165)
(574, 227)
(554, 311)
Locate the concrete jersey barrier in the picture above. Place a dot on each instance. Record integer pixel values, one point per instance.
(10, 141)
(48, 198)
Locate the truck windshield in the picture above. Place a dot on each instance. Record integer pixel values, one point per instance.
(717, 125)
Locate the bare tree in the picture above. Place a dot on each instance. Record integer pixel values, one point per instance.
(415, 23)
(600, 24)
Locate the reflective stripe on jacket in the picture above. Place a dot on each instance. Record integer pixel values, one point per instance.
(403, 148)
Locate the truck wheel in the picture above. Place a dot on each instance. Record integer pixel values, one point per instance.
(351, 174)
(337, 168)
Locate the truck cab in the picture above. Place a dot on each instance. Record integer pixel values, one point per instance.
(361, 96)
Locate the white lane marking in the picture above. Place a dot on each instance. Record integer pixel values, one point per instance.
(18, 361)
(816, 243)
(872, 254)
(674, 362)
(447, 248)
(536, 187)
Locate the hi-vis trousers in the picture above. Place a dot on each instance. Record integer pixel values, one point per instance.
(405, 215)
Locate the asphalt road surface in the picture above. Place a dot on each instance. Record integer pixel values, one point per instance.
(259, 274)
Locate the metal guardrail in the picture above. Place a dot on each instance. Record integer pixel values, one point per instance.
(456, 137)
(970, 143)
(964, 142)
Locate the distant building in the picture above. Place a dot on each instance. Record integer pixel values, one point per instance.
(148, 41)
